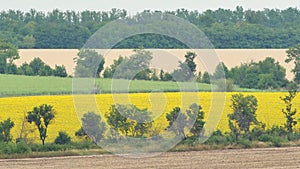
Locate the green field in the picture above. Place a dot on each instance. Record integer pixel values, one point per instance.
(15, 85)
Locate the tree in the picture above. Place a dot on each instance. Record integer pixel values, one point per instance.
(199, 77)
(206, 78)
(60, 71)
(41, 116)
(109, 71)
(92, 126)
(37, 65)
(186, 69)
(221, 71)
(266, 74)
(134, 67)
(25, 69)
(177, 122)
(244, 114)
(5, 128)
(293, 54)
(88, 63)
(128, 120)
(289, 112)
(196, 113)
(7, 52)
(28, 42)
(189, 60)
(62, 138)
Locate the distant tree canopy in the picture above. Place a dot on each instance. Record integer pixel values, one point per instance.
(239, 28)
(266, 74)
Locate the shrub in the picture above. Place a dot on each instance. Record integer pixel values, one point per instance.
(217, 138)
(62, 138)
(244, 142)
(22, 147)
(277, 141)
(9, 148)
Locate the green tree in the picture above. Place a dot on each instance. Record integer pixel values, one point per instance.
(37, 65)
(177, 122)
(128, 120)
(186, 69)
(289, 112)
(62, 138)
(109, 71)
(196, 113)
(199, 77)
(28, 42)
(25, 69)
(92, 126)
(293, 54)
(88, 63)
(7, 52)
(60, 71)
(206, 78)
(221, 71)
(134, 67)
(189, 60)
(41, 116)
(5, 128)
(244, 114)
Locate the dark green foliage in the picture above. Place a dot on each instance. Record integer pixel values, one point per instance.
(293, 54)
(134, 67)
(221, 71)
(218, 138)
(60, 71)
(109, 71)
(92, 126)
(88, 63)
(128, 120)
(206, 78)
(41, 116)
(62, 138)
(5, 127)
(289, 112)
(243, 116)
(177, 122)
(37, 67)
(266, 74)
(239, 28)
(8, 53)
(196, 113)
(186, 69)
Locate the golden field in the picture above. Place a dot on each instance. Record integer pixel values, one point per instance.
(67, 119)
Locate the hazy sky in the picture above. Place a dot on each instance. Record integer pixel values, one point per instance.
(133, 6)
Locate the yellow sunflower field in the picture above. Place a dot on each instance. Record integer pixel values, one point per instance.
(69, 109)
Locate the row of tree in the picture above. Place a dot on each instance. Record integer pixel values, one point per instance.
(130, 121)
(266, 74)
(239, 28)
(9, 53)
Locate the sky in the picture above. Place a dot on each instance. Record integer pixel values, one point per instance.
(133, 6)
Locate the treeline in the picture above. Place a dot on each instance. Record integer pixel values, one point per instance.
(239, 28)
(125, 122)
(9, 53)
(265, 74)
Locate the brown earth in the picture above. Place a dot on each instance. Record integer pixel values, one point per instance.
(225, 159)
(169, 61)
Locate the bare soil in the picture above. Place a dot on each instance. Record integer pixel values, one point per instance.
(234, 158)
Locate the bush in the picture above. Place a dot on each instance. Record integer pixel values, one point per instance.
(62, 138)
(217, 138)
(244, 142)
(22, 147)
(277, 141)
(8, 148)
